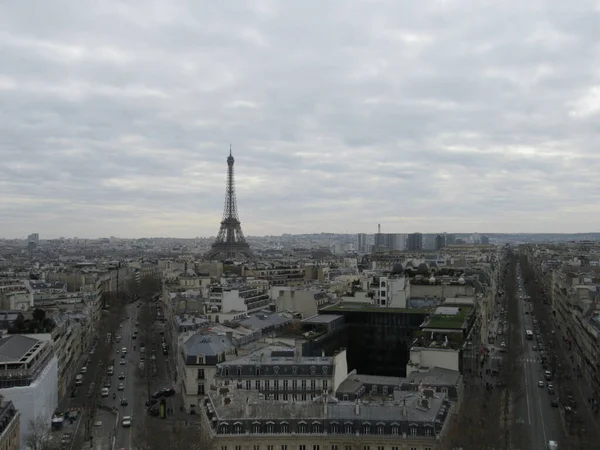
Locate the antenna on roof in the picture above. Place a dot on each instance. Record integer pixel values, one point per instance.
(229, 149)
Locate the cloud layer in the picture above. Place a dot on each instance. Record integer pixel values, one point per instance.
(116, 117)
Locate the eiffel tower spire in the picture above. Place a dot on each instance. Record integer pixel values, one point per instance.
(230, 241)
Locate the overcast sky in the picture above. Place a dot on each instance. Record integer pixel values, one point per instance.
(116, 116)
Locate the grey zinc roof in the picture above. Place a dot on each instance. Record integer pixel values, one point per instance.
(280, 355)
(436, 376)
(206, 344)
(263, 320)
(14, 347)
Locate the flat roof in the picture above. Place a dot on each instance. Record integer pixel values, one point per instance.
(448, 317)
(322, 318)
(351, 306)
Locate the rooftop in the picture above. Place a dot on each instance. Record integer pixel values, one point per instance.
(351, 306)
(15, 347)
(233, 404)
(279, 355)
(446, 317)
(322, 318)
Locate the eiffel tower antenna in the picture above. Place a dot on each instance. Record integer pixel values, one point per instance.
(230, 241)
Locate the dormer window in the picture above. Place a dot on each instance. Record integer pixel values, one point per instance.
(239, 371)
(313, 369)
(276, 370)
(226, 371)
(257, 371)
(413, 431)
(366, 429)
(325, 370)
(294, 370)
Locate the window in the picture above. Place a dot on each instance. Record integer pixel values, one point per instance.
(257, 385)
(325, 370)
(256, 447)
(324, 385)
(313, 385)
(302, 447)
(285, 397)
(395, 448)
(237, 428)
(276, 382)
(303, 397)
(270, 430)
(348, 428)
(239, 371)
(385, 390)
(201, 389)
(313, 369)
(201, 374)
(302, 427)
(226, 371)
(413, 431)
(334, 447)
(224, 428)
(238, 447)
(276, 370)
(335, 428)
(347, 447)
(294, 370)
(257, 371)
(267, 384)
(256, 428)
(276, 397)
(248, 385)
(373, 390)
(413, 448)
(270, 447)
(284, 427)
(427, 448)
(380, 429)
(317, 428)
(427, 431)
(366, 429)
(380, 447)
(316, 447)
(366, 447)
(284, 447)
(294, 385)
(223, 447)
(286, 384)
(303, 385)
(345, 397)
(395, 430)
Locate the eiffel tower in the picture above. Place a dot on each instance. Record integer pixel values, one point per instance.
(230, 241)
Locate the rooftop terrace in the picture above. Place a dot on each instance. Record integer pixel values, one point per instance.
(448, 318)
(368, 307)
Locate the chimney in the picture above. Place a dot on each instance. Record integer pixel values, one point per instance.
(298, 349)
(357, 407)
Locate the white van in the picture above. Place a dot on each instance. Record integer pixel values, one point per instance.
(104, 392)
(79, 380)
(124, 350)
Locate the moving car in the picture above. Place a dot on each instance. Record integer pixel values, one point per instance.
(121, 387)
(126, 422)
(124, 402)
(104, 392)
(121, 376)
(541, 383)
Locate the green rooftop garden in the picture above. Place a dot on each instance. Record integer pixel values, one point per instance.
(367, 307)
(449, 321)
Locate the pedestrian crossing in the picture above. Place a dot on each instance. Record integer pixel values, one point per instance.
(529, 360)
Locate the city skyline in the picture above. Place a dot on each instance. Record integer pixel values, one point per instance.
(118, 118)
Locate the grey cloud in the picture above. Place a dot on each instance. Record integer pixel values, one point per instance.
(116, 118)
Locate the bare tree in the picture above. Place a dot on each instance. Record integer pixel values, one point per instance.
(39, 435)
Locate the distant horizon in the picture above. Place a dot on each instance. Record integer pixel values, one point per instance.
(310, 233)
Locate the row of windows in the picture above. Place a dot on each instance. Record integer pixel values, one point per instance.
(285, 385)
(257, 370)
(317, 427)
(325, 447)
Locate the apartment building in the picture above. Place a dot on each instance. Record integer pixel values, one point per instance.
(239, 297)
(244, 420)
(10, 426)
(29, 377)
(282, 373)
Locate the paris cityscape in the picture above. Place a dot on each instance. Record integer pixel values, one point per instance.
(299, 226)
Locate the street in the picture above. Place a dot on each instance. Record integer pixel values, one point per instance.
(535, 409)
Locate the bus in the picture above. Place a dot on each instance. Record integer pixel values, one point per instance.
(529, 335)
